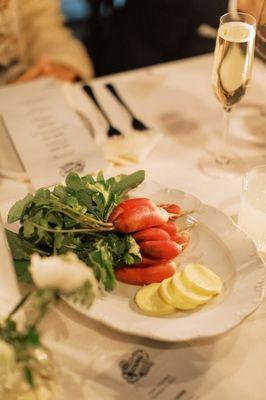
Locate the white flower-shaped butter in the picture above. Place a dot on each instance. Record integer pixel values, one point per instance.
(65, 272)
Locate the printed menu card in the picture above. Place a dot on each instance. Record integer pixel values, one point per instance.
(48, 135)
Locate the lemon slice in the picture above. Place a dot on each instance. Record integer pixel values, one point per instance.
(201, 280)
(182, 297)
(150, 302)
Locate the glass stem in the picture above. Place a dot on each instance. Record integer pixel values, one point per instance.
(223, 158)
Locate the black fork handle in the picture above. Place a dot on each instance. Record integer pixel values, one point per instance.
(88, 89)
(114, 92)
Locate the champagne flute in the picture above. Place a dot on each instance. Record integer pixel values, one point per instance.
(261, 33)
(232, 67)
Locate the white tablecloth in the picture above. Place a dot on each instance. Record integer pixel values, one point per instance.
(177, 99)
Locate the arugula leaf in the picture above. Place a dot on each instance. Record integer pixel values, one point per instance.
(74, 217)
(129, 182)
(132, 253)
(124, 249)
(103, 254)
(17, 210)
(28, 228)
(74, 182)
(22, 271)
(88, 179)
(101, 261)
(21, 248)
(42, 195)
(60, 192)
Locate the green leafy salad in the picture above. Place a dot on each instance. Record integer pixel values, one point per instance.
(74, 217)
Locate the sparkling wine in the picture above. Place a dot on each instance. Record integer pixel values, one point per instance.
(233, 60)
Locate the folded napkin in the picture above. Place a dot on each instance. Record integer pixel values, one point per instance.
(129, 148)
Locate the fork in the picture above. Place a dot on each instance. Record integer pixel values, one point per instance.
(112, 131)
(136, 123)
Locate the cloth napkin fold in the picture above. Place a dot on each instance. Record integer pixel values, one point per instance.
(130, 148)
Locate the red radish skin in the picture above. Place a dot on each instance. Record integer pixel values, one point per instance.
(166, 249)
(115, 214)
(144, 276)
(169, 227)
(136, 202)
(130, 204)
(139, 218)
(181, 238)
(147, 262)
(142, 213)
(151, 234)
(172, 209)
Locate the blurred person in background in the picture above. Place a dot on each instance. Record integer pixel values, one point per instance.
(127, 34)
(35, 43)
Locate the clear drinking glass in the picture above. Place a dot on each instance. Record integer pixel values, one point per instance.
(261, 33)
(232, 67)
(252, 213)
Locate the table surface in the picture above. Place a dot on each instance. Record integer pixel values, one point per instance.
(177, 99)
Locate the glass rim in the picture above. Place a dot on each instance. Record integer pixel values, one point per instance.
(236, 13)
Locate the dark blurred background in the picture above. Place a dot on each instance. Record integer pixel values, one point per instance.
(125, 34)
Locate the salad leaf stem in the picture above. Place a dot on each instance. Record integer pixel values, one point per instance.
(76, 230)
(18, 305)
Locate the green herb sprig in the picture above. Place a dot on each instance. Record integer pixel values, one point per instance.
(74, 217)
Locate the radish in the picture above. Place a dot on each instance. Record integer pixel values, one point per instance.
(145, 276)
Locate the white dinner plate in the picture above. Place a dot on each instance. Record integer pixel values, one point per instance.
(215, 242)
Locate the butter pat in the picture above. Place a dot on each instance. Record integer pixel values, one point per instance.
(201, 280)
(185, 290)
(150, 302)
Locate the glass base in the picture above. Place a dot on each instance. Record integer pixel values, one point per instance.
(218, 164)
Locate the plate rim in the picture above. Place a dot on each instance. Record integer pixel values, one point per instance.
(235, 319)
